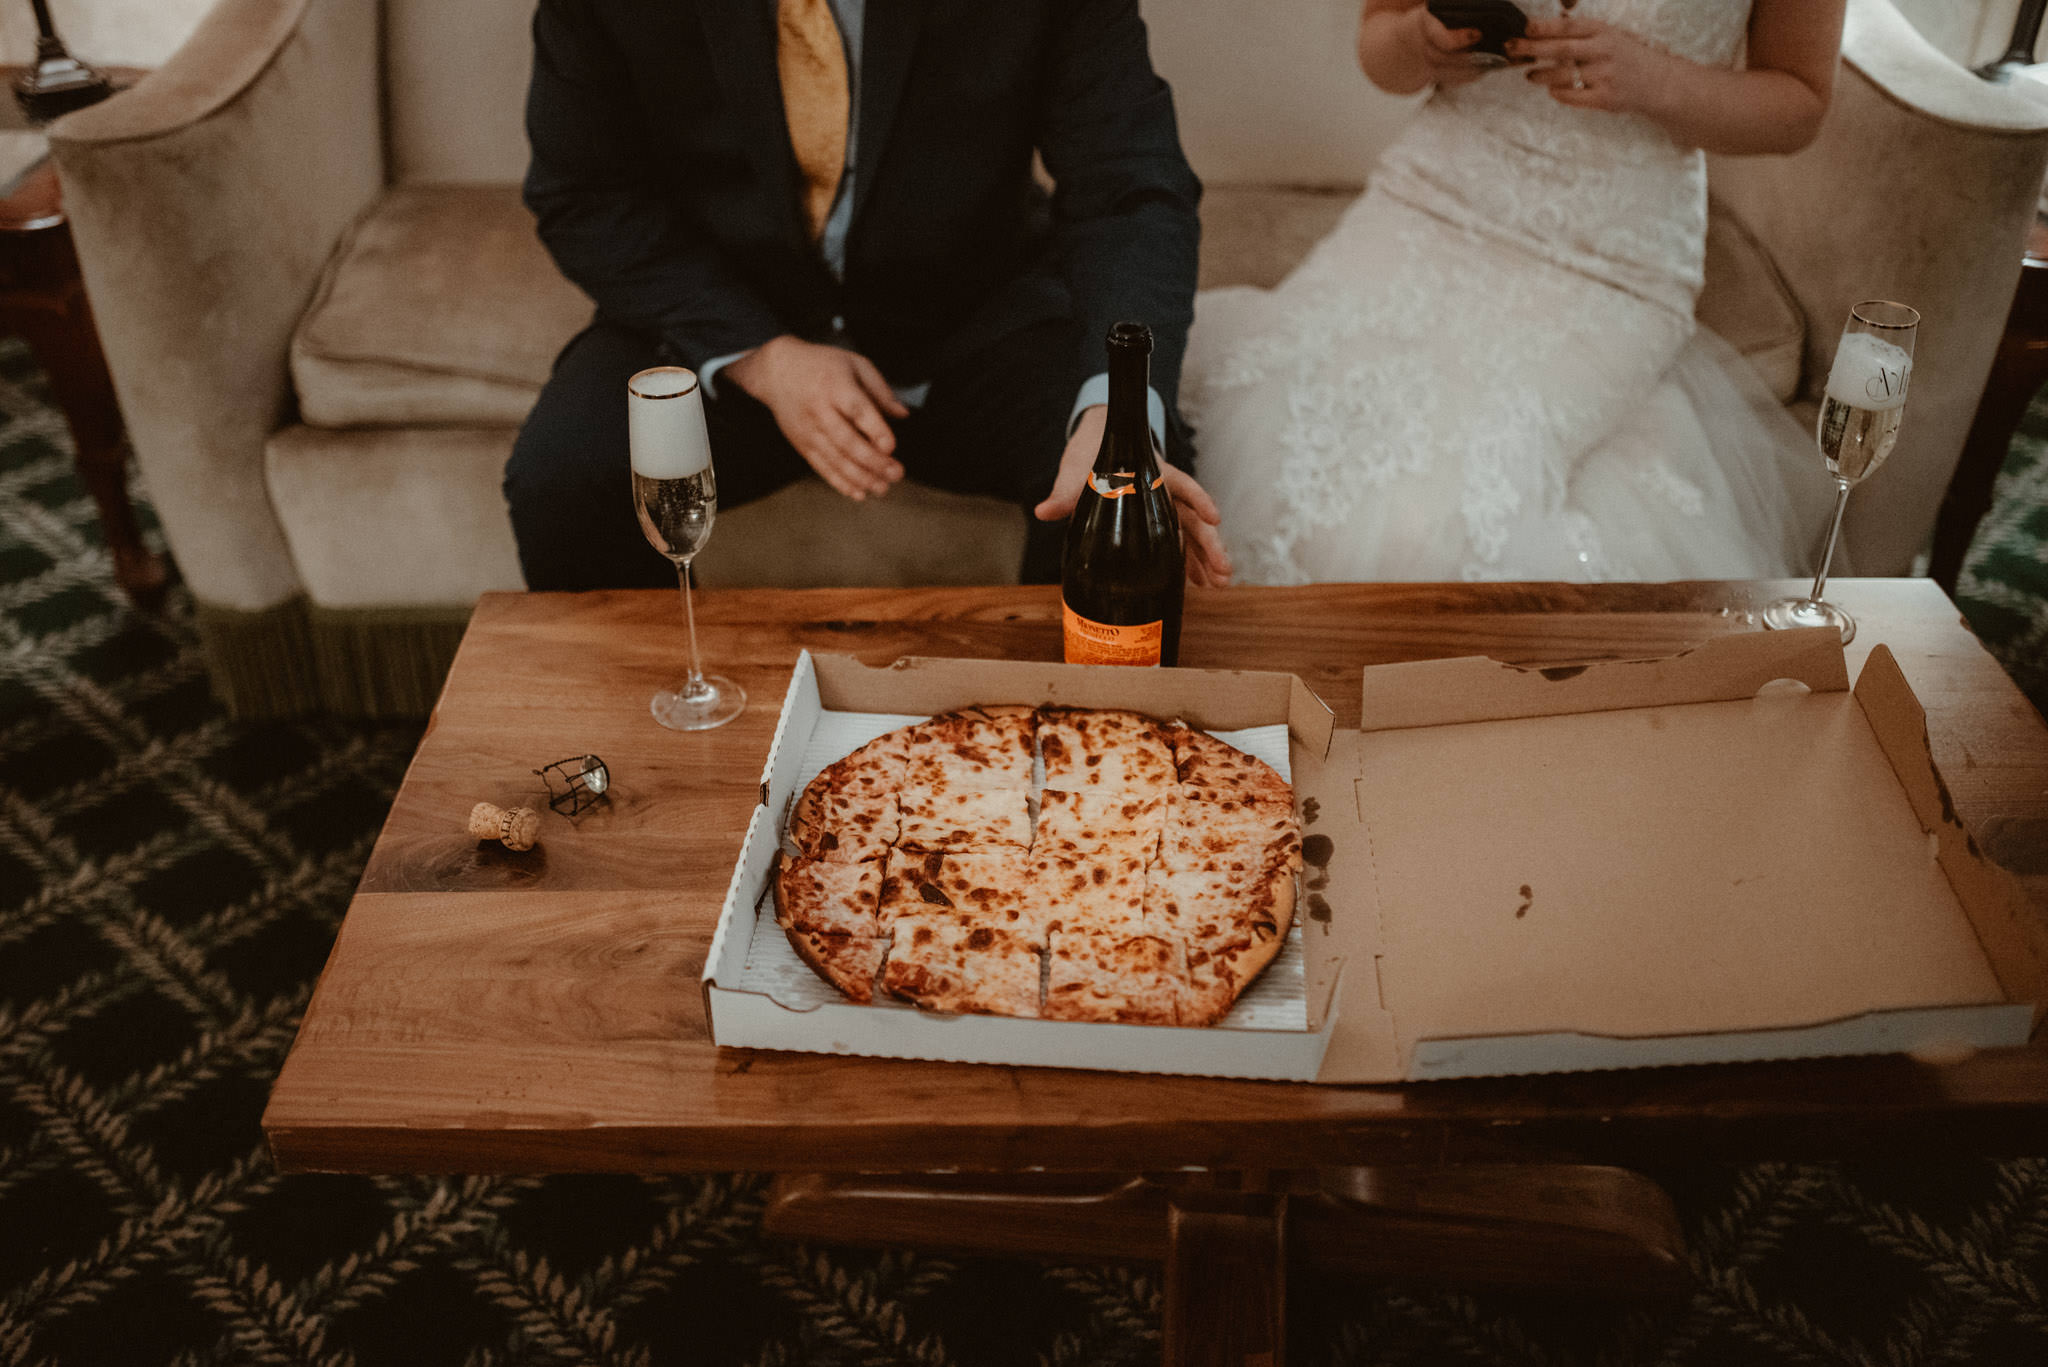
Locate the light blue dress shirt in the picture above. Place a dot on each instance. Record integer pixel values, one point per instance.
(851, 14)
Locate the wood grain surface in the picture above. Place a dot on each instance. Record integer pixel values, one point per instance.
(490, 1011)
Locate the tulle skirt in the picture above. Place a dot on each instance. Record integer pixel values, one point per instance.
(1419, 401)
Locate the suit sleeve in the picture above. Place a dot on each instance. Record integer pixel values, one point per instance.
(1124, 197)
(614, 235)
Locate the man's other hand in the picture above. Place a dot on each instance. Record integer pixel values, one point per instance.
(830, 403)
(1199, 518)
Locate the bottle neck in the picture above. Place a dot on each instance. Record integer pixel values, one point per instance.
(1127, 436)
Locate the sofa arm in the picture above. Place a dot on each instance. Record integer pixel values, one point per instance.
(204, 203)
(1920, 188)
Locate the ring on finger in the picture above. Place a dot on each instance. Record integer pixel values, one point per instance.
(1578, 77)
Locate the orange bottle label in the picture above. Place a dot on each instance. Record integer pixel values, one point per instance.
(1098, 643)
(1127, 483)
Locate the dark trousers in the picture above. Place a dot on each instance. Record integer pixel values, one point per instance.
(994, 423)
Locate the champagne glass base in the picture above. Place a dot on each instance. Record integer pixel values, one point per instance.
(1809, 612)
(714, 701)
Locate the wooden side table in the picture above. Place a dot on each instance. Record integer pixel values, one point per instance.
(42, 299)
(2017, 374)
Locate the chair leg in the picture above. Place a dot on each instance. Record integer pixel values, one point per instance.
(1603, 1231)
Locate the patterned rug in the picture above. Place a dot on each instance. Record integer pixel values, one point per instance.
(170, 883)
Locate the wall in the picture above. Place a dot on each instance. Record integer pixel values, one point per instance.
(144, 32)
(103, 32)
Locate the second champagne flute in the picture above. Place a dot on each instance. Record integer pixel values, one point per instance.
(676, 495)
(1859, 424)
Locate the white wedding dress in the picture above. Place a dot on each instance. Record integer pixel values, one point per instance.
(1489, 369)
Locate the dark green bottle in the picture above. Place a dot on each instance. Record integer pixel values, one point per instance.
(1122, 574)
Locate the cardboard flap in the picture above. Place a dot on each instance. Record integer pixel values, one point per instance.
(1216, 700)
(1477, 688)
(2012, 939)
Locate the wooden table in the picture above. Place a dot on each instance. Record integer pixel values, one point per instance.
(486, 1011)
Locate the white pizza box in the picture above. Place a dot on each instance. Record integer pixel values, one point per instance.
(1719, 856)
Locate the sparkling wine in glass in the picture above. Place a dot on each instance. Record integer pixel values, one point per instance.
(1859, 424)
(676, 496)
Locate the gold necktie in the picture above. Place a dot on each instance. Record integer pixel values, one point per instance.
(811, 60)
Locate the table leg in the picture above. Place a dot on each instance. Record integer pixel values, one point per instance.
(58, 326)
(1226, 1279)
(1226, 1238)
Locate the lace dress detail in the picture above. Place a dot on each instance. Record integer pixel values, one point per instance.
(1504, 316)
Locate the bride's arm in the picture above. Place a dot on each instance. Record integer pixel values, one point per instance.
(1403, 48)
(1774, 104)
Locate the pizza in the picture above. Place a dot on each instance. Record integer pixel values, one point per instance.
(1147, 879)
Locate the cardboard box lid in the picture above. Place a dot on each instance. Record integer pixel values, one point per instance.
(1653, 862)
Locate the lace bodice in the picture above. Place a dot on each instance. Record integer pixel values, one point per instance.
(1613, 198)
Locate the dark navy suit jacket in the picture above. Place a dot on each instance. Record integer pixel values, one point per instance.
(665, 187)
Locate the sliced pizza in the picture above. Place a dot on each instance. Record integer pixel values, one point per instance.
(1207, 831)
(1116, 978)
(849, 962)
(1202, 761)
(829, 897)
(977, 748)
(943, 963)
(1103, 891)
(963, 818)
(1074, 824)
(844, 828)
(1104, 752)
(981, 886)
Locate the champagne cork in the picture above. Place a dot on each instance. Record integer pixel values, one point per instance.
(517, 829)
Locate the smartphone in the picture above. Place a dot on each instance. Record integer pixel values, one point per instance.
(1496, 20)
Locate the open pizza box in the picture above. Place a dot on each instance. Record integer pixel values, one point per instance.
(1722, 855)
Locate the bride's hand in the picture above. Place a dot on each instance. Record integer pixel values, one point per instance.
(1442, 51)
(1592, 65)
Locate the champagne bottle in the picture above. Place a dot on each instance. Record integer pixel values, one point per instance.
(1122, 573)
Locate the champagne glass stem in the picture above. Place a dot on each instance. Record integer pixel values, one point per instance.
(1827, 555)
(693, 688)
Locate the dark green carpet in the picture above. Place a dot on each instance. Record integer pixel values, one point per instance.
(170, 883)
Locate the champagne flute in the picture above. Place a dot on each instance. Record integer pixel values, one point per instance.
(1859, 424)
(676, 496)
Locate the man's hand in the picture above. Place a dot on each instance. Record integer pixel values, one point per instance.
(830, 403)
(1199, 518)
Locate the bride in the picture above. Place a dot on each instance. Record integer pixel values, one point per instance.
(1489, 369)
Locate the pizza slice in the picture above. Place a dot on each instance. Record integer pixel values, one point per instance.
(850, 963)
(828, 897)
(1104, 891)
(1074, 824)
(844, 828)
(875, 770)
(1231, 925)
(1104, 752)
(957, 818)
(978, 748)
(1207, 830)
(943, 963)
(982, 887)
(1204, 762)
(1117, 978)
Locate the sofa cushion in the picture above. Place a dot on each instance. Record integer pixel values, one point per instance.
(439, 308)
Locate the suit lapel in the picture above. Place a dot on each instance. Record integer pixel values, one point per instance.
(888, 40)
(742, 38)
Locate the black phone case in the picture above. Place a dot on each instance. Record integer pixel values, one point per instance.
(1496, 20)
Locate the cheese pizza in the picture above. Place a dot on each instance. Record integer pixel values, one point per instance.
(1148, 879)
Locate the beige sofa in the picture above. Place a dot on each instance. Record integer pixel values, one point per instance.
(326, 311)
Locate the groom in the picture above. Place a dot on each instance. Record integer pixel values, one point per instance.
(826, 208)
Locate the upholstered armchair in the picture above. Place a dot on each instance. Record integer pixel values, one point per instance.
(326, 311)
